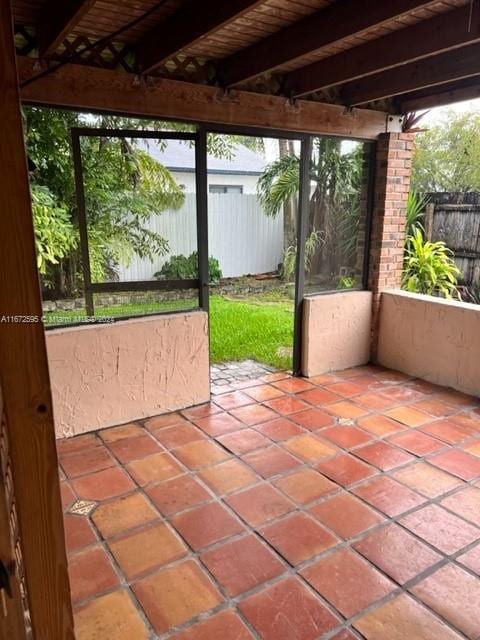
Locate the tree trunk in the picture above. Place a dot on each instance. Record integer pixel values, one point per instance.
(285, 148)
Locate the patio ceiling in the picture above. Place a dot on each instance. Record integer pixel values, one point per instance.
(391, 56)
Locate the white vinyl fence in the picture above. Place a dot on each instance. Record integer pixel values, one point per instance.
(240, 235)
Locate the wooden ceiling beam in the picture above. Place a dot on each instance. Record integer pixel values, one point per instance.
(186, 26)
(442, 33)
(94, 89)
(61, 18)
(447, 67)
(468, 89)
(335, 22)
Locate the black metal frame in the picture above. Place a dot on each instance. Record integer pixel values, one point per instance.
(200, 283)
(302, 227)
(199, 137)
(372, 172)
(201, 189)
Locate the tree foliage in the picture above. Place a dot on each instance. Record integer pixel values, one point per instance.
(447, 156)
(55, 235)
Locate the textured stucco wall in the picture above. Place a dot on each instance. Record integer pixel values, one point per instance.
(337, 330)
(434, 339)
(104, 375)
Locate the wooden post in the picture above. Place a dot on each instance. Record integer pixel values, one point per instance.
(429, 213)
(12, 610)
(24, 378)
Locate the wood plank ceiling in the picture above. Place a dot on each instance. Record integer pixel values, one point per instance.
(393, 56)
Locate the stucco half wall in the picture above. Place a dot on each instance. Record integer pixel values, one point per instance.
(336, 331)
(103, 375)
(432, 338)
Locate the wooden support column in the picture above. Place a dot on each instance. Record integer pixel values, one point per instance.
(389, 217)
(24, 378)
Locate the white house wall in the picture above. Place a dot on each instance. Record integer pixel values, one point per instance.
(249, 183)
(241, 236)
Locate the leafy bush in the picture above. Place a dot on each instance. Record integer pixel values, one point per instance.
(347, 282)
(429, 267)
(185, 268)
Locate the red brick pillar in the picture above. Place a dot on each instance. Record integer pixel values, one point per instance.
(392, 184)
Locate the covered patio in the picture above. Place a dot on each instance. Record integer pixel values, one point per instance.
(339, 501)
(342, 506)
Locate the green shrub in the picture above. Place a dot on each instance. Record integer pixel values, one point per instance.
(185, 268)
(429, 267)
(347, 282)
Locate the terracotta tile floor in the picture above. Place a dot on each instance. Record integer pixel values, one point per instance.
(343, 507)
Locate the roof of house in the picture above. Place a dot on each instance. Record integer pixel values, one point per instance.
(179, 156)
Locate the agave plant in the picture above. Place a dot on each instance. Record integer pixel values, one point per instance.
(429, 268)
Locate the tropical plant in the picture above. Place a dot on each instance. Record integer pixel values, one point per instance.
(416, 204)
(335, 177)
(289, 264)
(429, 268)
(278, 183)
(183, 268)
(134, 187)
(55, 235)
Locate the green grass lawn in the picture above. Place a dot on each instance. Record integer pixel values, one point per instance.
(251, 329)
(258, 327)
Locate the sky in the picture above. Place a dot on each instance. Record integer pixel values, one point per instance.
(436, 115)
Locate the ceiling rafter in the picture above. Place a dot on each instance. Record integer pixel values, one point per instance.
(186, 26)
(447, 67)
(60, 20)
(329, 25)
(441, 33)
(442, 95)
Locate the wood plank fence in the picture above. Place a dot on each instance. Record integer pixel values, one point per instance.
(455, 219)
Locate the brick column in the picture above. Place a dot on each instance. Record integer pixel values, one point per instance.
(392, 184)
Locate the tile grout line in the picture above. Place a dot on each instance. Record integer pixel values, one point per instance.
(305, 508)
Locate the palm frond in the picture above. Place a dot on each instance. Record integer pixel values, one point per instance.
(278, 183)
